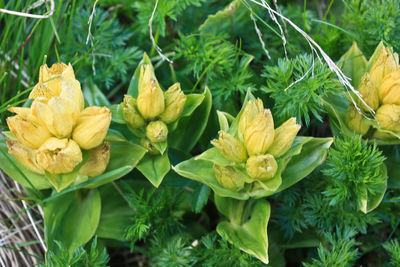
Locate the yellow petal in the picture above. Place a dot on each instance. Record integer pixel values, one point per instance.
(388, 117)
(262, 167)
(174, 102)
(157, 131)
(228, 177)
(71, 90)
(25, 155)
(97, 162)
(389, 92)
(230, 147)
(150, 101)
(259, 135)
(284, 137)
(92, 127)
(59, 155)
(251, 110)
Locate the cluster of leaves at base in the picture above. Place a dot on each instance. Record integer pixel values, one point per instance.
(374, 21)
(393, 248)
(297, 87)
(59, 256)
(156, 213)
(107, 57)
(211, 250)
(339, 251)
(351, 169)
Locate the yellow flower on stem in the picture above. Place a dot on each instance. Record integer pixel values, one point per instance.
(284, 137)
(262, 167)
(259, 135)
(250, 112)
(389, 92)
(131, 113)
(157, 131)
(230, 147)
(388, 117)
(228, 177)
(174, 102)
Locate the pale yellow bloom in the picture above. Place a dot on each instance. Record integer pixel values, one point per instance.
(59, 155)
(389, 92)
(98, 161)
(284, 137)
(369, 93)
(150, 101)
(262, 167)
(174, 102)
(230, 147)
(251, 110)
(259, 135)
(91, 127)
(146, 76)
(157, 131)
(354, 121)
(26, 128)
(228, 177)
(383, 62)
(25, 155)
(388, 117)
(131, 113)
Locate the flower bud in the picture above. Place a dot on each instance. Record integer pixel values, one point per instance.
(284, 137)
(151, 100)
(369, 93)
(388, 117)
(131, 113)
(174, 102)
(230, 147)
(25, 155)
(259, 135)
(59, 155)
(50, 80)
(354, 121)
(228, 177)
(144, 142)
(389, 92)
(91, 127)
(98, 161)
(353, 64)
(251, 110)
(146, 76)
(382, 62)
(56, 114)
(262, 167)
(26, 128)
(157, 131)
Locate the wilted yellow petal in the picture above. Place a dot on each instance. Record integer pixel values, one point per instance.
(174, 102)
(92, 127)
(259, 135)
(25, 155)
(59, 155)
(98, 161)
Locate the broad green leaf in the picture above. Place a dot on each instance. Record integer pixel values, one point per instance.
(116, 112)
(160, 146)
(15, 170)
(189, 129)
(250, 235)
(72, 218)
(192, 102)
(200, 197)
(353, 64)
(133, 85)
(124, 156)
(94, 96)
(214, 156)
(154, 168)
(116, 215)
(373, 201)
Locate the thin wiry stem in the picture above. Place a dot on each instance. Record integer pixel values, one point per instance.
(29, 15)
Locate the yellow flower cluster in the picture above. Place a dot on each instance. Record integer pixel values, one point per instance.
(51, 133)
(153, 109)
(257, 145)
(380, 89)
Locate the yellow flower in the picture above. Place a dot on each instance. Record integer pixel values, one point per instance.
(354, 121)
(25, 155)
(259, 135)
(230, 147)
(251, 110)
(383, 62)
(91, 127)
(131, 113)
(157, 131)
(389, 92)
(59, 155)
(146, 76)
(369, 93)
(388, 117)
(284, 137)
(151, 100)
(174, 102)
(262, 167)
(228, 177)
(98, 161)
(26, 128)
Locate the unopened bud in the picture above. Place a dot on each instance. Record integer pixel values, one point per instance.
(389, 92)
(262, 167)
(251, 110)
(150, 101)
(259, 135)
(284, 137)
(131, 113)
(230, 147)
(382, 62)
(157, 131)
(354, 121)
(388, 117)
(228, 177)
(174, 102)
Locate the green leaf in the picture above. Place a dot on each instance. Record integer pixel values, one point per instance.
(72, 218)
(124, 156)
(189, 129)
(250, 234)
(214, 156)
(223, 121)
(115, 215)
(200, 197)
(94, 96)
(117, 115)
(133, 85)
(353, 64)
(374, 200)
(160, 146)
(15, 170)
(154, 168)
